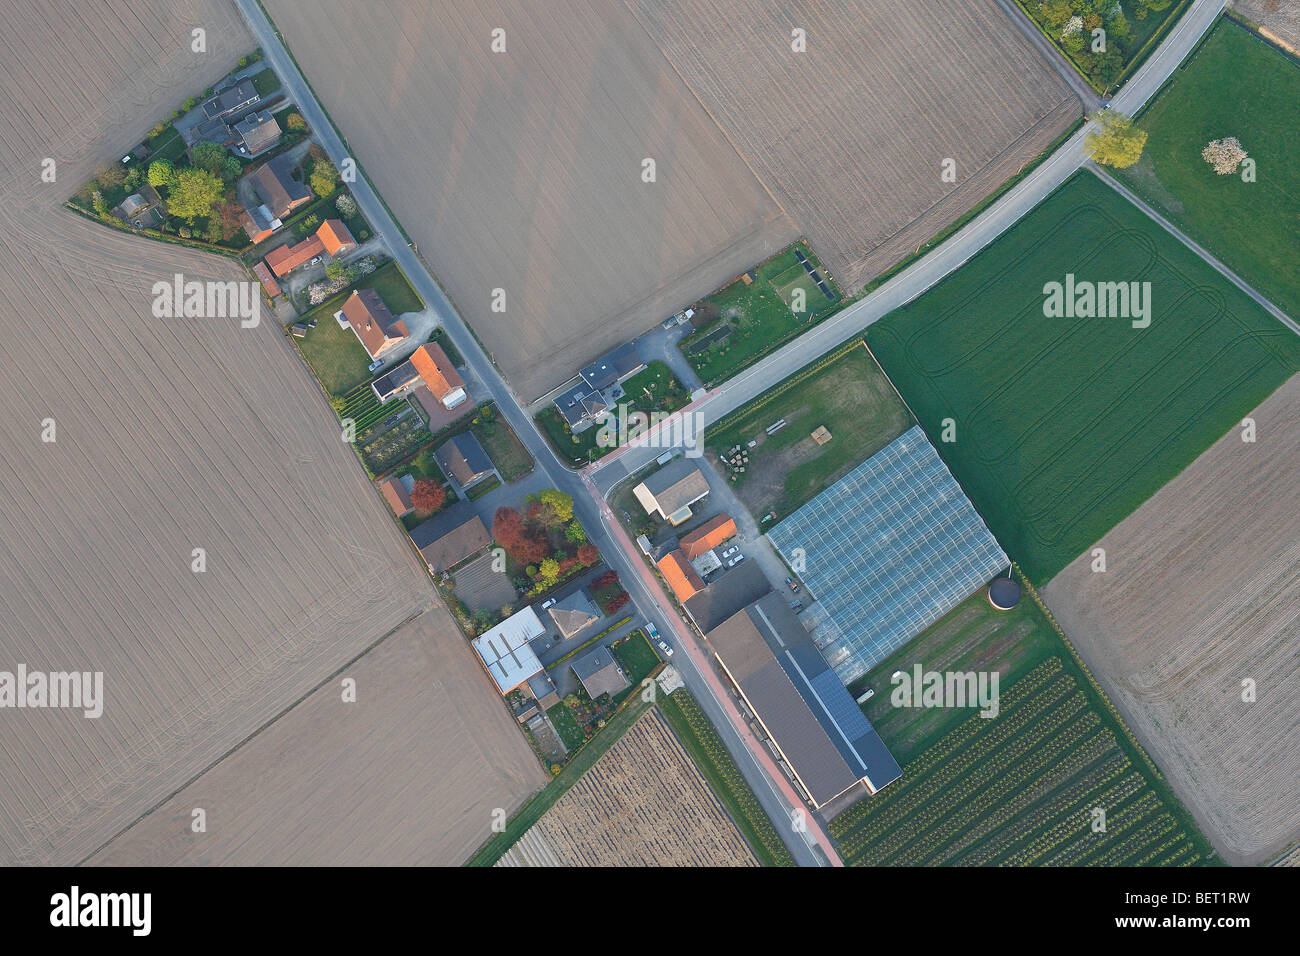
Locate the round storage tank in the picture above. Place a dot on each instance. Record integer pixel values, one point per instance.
(1004, 594)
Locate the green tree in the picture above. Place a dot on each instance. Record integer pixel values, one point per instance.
(208, 156)
(192, 194)
(576, 533)
(558, 503)
(324, 177)
(230, 169)
(548, 572)
(1115, 141)
(161, 173)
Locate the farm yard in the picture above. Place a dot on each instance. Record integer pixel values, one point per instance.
(1235, 84)
(759, 311)
(847, 394)
(1201, 592)
(643, 804)
(596, 255)
(171, 436)
(1064, 427)
(831, 131)
(437, 751)
(1017, 788)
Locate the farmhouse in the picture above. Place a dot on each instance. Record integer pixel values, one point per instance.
(572, 613)
(671, 490)
(375, 326)
(726, 594)
(597, 386)
(463, 459)
(336, 237)
(599, 673)
(427, 366)
(820, 736)
(506, 653)
(708, 536)
(256, 133)
(679, 575)
(231, 99)
(451, 536)
(397, 492)
(278, 193)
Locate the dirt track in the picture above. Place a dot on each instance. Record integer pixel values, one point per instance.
(409, 775)
(1202, 591)
(171, 435)
(850, 135)
(522, 170)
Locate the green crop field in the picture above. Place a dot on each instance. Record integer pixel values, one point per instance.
(1019, 788)
(1238, 85)
(1063, 426)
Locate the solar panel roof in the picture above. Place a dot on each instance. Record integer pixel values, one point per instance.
(887, 550)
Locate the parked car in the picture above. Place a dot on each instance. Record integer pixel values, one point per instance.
(375, 365)
(796, 605)
(668, 651)
(652, 630)
(547, 603)
(793, 586)
(315, 260)
(735, 561)
(729, 552)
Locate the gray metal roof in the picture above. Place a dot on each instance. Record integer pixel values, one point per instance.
(887, 551)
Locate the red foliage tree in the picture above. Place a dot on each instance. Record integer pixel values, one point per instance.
(509, 531)
(614, 603)
(588, 554)
(608, 579)
(428, 495)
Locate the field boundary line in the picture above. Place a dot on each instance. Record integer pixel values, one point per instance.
(1191, 244)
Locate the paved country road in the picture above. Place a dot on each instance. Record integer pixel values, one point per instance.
(946, 259)
(810, 846)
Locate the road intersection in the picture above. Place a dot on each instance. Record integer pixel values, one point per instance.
(805, 837)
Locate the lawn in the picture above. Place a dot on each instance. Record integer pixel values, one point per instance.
(849, 396)
(566, 725)
(653, 389)
(334, 354)
(1018, 788)
(1236, 84)
(701, 741)
(746, 320)
(1063, 426)
(390, 282)
(266, 82)
(637, 658)
(501, 444)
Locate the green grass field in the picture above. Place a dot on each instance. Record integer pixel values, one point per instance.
(1064, 426)
(502, 445)
(1238, 85)
(1018, 788)
(849, 396)
(761, 315)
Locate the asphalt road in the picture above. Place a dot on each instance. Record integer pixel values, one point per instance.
(810, 845)
(929, 270)
(776, 795)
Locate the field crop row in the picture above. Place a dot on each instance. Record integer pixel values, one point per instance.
(1022, 788)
